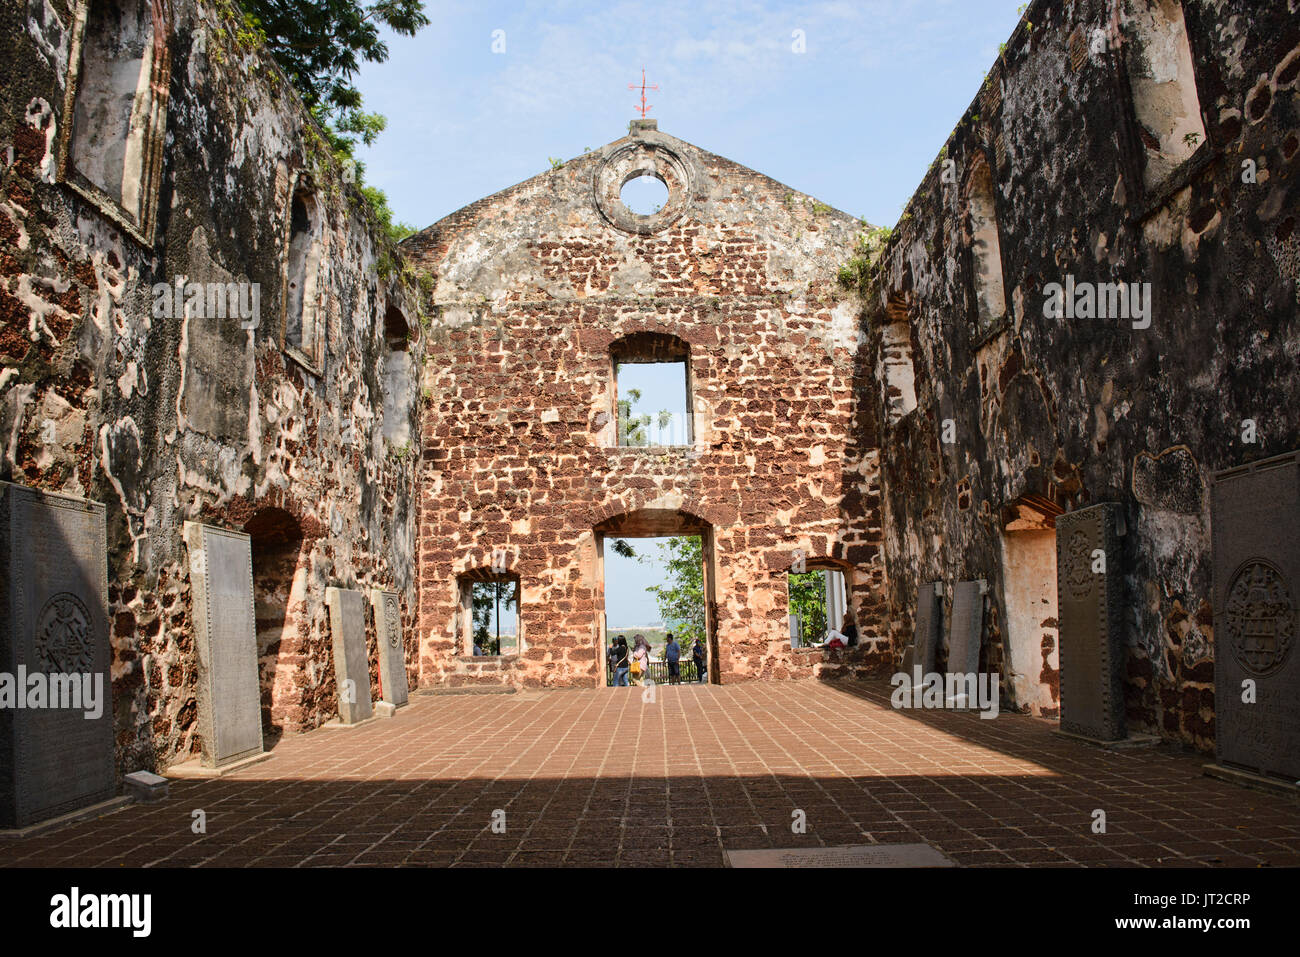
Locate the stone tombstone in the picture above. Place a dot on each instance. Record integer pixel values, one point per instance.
(351, 663)
(225, 639)
(1255, 531)
(56, 713)
(967, 628)
(392, 651)
(1088, 595)
(929, 628)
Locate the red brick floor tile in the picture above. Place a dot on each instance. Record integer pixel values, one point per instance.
(599, 778)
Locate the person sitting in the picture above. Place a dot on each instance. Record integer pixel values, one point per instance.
(849, 630)
(846, 636)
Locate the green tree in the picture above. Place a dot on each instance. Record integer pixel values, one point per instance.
(632, 428)
(320, 45)
(681, 598)
(808, 603)
(484, 600)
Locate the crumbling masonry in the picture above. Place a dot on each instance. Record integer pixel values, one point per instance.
(906, 407)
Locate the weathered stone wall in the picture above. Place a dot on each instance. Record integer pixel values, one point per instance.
(1100, 171)
(534, 286)
(169, 418)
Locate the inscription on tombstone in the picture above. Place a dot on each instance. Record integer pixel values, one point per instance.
(351, 664)
(967, 628)
(225, 638)
(392, 651)
(1088, 585)
(929, 627)
(56, 707)
(1253, 512)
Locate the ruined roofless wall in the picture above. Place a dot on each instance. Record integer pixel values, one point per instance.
(539, 287)
(168, 415)
(1106, 166)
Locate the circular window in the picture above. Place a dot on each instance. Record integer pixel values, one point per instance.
(644, 195)
(643, 184)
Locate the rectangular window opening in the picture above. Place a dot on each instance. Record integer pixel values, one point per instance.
(653, 404)
(304, 313)
(1163, 81)
(492, 620)
(116, 112)
(818, 609)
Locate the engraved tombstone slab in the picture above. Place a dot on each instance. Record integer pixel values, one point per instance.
(225, 638)
(929, 627)
(967, 628)
(56, 750)
(392, 650)
(351, 664)
(1088, 595)
(1255, 514)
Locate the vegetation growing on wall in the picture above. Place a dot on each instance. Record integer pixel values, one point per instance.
(320, 46)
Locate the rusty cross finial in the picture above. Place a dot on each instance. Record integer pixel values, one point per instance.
(644, 108)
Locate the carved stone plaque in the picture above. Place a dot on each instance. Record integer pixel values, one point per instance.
(1255, 520)
(56, 688)
(351, 663)
(392, 650)
(225, 638)
(1092, 653)
(929, 627)
(967, 628)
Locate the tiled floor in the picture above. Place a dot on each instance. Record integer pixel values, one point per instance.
(601, 777)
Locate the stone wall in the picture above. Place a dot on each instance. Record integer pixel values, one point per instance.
(1112, 142)
(110, 392)
(538, 289)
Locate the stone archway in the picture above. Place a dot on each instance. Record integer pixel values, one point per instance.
(656, 521)
(279, 584)
(1032, 637)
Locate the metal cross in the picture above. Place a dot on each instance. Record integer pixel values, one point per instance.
(644, 108)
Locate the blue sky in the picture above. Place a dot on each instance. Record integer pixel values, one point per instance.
(627, 603)
(854, 121)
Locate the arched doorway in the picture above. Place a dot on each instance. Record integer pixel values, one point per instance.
(658, 523)
(278, 586)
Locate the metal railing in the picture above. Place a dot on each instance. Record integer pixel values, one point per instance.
(658, 672)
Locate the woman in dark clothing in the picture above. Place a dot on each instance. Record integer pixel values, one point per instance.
(620, 663)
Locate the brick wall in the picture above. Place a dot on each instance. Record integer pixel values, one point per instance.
(169, 418)
(533, 287)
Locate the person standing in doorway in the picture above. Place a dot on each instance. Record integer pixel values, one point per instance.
(673, 654)
(620, 663)
(697, 655)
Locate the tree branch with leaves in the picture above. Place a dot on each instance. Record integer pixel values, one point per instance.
(320, 45)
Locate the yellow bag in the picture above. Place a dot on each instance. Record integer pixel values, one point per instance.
(636, 666)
